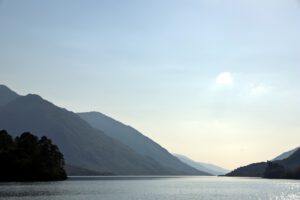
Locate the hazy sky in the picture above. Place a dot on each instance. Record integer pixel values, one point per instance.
(155, 65)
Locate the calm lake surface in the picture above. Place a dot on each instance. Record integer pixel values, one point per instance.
(153, 188)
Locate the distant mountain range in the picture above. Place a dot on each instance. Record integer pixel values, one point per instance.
(205, 167)
(290, 162)
(92, 143)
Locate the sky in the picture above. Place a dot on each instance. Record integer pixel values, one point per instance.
(215, 80)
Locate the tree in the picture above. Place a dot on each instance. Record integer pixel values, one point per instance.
(28, 158)
(6, 141)
(274, 170)
(51, 159)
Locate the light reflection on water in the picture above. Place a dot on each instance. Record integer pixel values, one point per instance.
(153, 188)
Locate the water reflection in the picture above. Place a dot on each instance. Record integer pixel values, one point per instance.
(153, 188)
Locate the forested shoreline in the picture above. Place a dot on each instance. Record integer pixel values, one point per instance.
(29, 158)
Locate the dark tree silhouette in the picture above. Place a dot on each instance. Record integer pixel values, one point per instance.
(274, 170)
(6, 141)
(293, 174)
(28, 158)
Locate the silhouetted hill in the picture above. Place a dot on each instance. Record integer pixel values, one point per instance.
(6, 95)
(292, 162)
(83, 146)
(252, 170)
(286, 154)
(205, 167)
(286, 168)
(138, 142)
(86, 149)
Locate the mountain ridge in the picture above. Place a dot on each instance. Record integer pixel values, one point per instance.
(85, 148)
(206, 167)
(32, 113)
(290, 164)
(135, 140)
(285, 154)
(7, 95)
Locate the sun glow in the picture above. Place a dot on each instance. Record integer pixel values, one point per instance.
(225, 78)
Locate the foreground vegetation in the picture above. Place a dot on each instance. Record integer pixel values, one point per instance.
(28, 158)
(277, 171)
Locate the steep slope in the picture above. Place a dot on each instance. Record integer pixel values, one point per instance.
(6, 95)
(292, 162)
(83, 146)
(75, 171)
(286, 154)
(137, 141)
(205, 167)
(252, 170)
(288, 168)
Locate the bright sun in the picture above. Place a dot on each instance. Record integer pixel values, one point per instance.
(225, 78)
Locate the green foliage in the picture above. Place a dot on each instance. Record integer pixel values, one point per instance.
(28, 158)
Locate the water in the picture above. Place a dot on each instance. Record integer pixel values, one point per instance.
(154, 188)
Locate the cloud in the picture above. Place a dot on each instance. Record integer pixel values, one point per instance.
(224, 78)
(260, 88)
